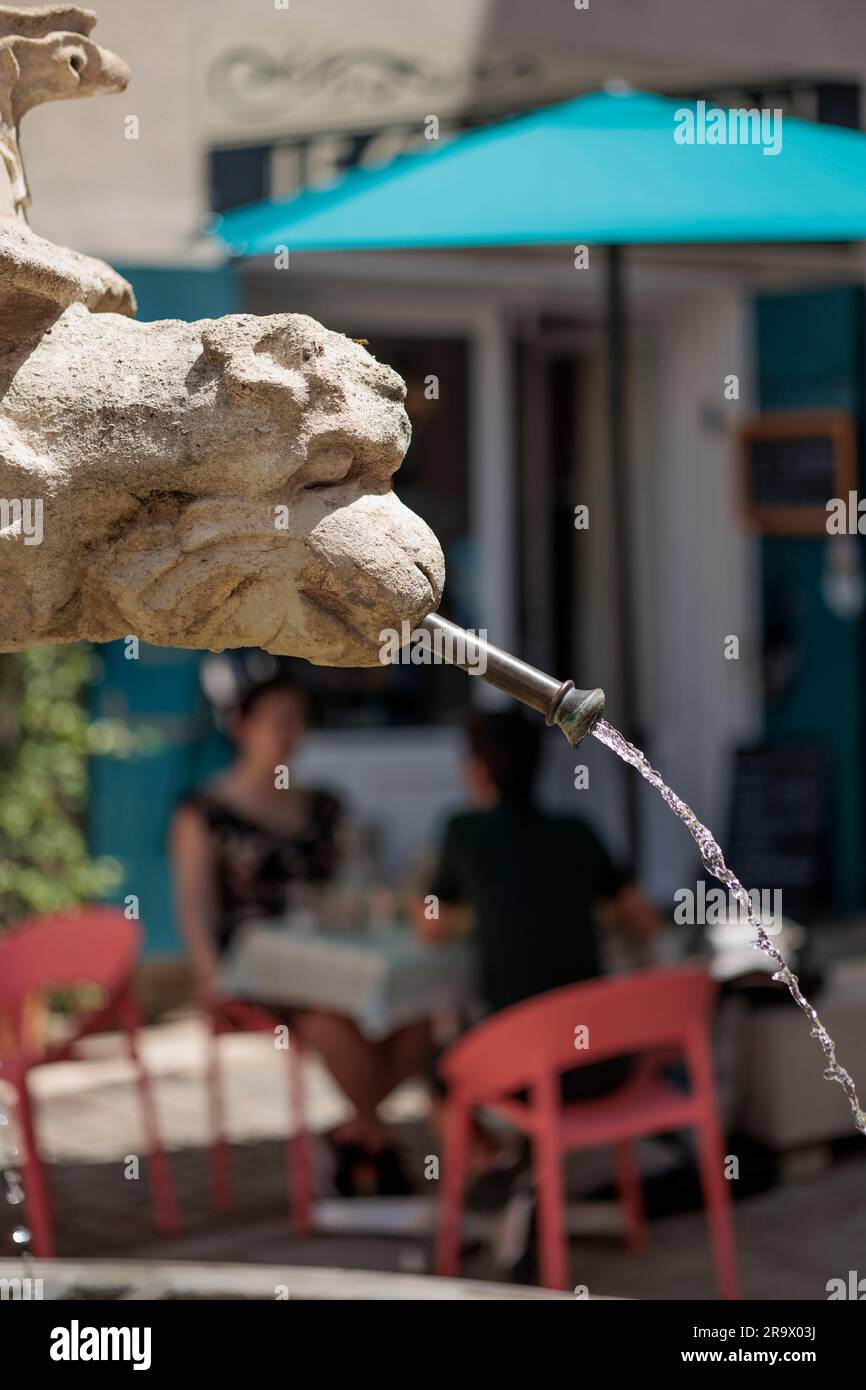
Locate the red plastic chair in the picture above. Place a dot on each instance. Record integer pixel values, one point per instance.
(234, 1016)
(97, 945)
(658, 1014)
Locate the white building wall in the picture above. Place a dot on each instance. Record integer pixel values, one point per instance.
(399, 783)
(699, 704)
(694, 570)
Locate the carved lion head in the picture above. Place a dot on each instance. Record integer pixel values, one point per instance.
(264, 510)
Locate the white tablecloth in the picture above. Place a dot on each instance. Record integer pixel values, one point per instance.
(382, 980)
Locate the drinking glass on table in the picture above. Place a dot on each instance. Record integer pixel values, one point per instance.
(356, 897)
(303, 905)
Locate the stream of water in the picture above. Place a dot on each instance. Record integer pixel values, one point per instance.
(714, 863)
(11, 1179)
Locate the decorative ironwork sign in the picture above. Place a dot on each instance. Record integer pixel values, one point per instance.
(249, 83)
(253, 87)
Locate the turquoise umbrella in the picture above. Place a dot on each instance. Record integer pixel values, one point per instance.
(610, 169)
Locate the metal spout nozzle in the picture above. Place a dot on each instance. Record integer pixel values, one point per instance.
(573, 711)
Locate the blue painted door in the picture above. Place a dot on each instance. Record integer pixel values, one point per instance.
(810, 355)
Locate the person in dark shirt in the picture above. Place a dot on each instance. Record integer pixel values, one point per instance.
(528, 886)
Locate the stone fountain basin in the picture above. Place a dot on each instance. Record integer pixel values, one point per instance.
(158, 1280)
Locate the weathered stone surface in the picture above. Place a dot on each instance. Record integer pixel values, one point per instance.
(214, 484)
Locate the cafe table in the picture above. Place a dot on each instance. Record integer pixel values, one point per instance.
(380, 977)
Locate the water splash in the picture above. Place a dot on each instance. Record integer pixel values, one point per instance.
(13, 1188)
(714, 862)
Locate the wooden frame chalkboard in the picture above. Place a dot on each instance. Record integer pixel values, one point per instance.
(791, 465)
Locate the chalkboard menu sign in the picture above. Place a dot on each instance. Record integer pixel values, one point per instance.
(793, 463)
(779, 826)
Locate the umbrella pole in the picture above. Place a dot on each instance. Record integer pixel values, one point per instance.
(617, 372)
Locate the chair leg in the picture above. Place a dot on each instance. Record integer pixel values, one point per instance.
(630, 1187)
(717, 1201)
(552, 1243)
(159, 1172)
(455, 1162)
(37, 1203)
(300, 1154)
(219, 1154)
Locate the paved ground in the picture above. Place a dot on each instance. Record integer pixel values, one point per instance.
(792, 1239)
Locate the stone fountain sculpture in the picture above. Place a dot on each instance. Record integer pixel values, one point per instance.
(214, 484)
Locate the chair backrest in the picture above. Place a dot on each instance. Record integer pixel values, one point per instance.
(93, 945)
(579, 1024)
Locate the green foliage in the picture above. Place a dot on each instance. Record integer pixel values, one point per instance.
(46, 739)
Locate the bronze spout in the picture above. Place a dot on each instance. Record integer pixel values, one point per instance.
(573, 711)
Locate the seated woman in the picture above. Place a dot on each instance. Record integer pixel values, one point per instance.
(238, 847)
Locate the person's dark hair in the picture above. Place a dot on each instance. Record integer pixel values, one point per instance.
(507, 743)
(281, 684)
